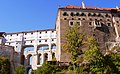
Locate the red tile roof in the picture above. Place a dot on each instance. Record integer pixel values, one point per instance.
(88, 7)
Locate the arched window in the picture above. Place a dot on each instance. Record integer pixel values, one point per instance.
(45, 57)
(53, 55)
(29, 49)
(53, 46)
(29, 59)
(40, 59)
(43, 47)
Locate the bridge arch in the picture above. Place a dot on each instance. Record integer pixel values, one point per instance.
(43, 47)
(29, 59)
(40, 59)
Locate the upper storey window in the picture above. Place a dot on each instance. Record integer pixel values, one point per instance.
(77, 14)
(89, 14)
(83, 14)
(94, 14)
(99, 15)
(65, 14)
(72, 14)
(107, 15)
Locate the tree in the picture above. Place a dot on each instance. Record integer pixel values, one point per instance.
(4, 66)
(20, 70)
(100, 63)
(47, 69)
(93, 56)
(74, 42)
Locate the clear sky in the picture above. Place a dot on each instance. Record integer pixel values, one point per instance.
(27, 15)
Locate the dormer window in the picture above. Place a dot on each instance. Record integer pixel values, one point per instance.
(89, 14)
(77, 14)
(83, 14)
(65, 14)
(107, 15)
(94, 14)
(72, 14)
(99, 15)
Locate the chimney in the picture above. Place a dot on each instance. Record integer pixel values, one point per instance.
(83, 5)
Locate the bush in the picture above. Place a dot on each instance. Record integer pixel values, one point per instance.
(20, 70)
(4, 66)
(47, 69)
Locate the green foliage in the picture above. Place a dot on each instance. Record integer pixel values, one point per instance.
(100, 63)
(20, 70)
(47, 69)
(4, 66)
(74, 41)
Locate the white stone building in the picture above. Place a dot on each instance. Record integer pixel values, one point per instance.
(35, 46)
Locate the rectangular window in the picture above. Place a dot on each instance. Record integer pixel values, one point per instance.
(71, 23)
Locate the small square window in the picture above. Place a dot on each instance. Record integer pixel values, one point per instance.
(52, 31)
(39, 41)
(79, 19)
(100, 19)
(78, 23)
(90, 23)
(45, 40)
(65, 18)
(72, 18)
(40, 37)
(46, 32)
(52, 39)
(71, 23)
(90, 19)
(109, 24)
(31, 33)
(83, 18)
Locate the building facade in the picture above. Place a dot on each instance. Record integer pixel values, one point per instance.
(102, 23)
(46, 45)
(34, 47)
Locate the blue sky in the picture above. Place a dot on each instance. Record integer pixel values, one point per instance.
(27, 15)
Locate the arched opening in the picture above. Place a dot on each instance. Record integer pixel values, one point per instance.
(39, 59)
(43, 47)
(22, 59)
(53, 55)
(29, 59)
(30, 48)
(45, 57)
(53, 46)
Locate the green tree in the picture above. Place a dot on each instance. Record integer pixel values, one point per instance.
(4, 66)
(94, 57)
(47, 69)
(74, 42)
(20, 70)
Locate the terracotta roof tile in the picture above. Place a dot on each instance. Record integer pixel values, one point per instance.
(88, 7)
